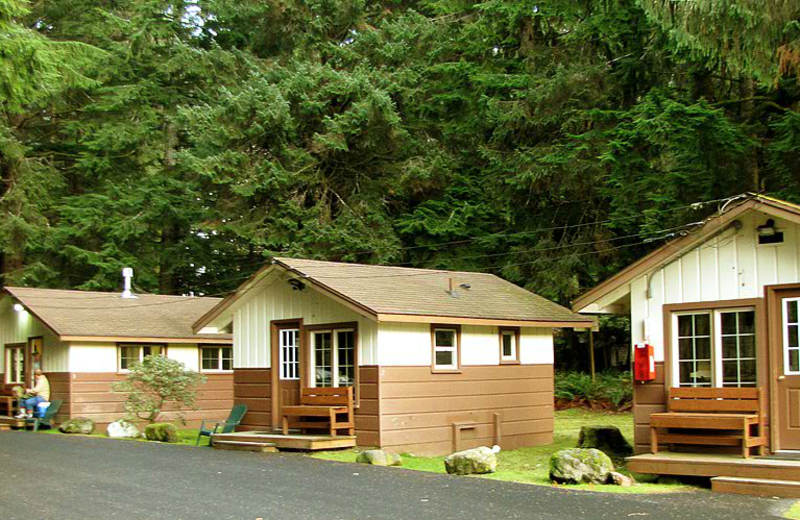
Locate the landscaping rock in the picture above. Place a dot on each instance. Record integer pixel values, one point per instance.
(474, 461)
(607, 439)
(161, 432)
(618, 479)
(379, 458)
(123, 429)
(77, 425)
(576, 465)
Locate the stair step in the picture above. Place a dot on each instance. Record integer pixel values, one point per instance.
(756, 486)
(261, 447)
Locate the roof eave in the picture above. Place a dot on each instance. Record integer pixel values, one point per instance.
(464, 320)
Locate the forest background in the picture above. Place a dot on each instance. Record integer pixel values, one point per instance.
(551, 142)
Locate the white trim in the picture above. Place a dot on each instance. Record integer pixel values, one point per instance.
(140, 347)
(8, 352)
(220, 358)
(334, 366)
(514, 356)
(785, 334)
(288, 369)
(453, 349)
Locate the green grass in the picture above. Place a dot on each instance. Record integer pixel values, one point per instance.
(187, 437)
(793, 512)
(531, 465)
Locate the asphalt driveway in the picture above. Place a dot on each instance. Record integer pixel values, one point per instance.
(54, 476)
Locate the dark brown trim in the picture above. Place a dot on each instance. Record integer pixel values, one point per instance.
(517, 336)
(445, 326)
(762, 344)
(274, 355)
(308, 329)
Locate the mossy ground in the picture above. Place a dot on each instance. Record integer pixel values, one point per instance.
(531, 465)
(793, 512)
(186, 437)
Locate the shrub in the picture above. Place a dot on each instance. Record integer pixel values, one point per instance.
(161, 432)
(609, 390)
(156, 381)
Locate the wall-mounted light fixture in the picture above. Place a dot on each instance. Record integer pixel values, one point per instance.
(768, 234)
(18, 307)
(296, 284)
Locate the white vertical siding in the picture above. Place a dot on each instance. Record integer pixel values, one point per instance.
(278, 301)
(17, 327)
(727, 267)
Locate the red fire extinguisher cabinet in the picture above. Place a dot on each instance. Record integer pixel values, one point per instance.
(644, 363)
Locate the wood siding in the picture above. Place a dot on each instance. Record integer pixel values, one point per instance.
(650, 397)
(92, 397)
(253, 387)
(418, 408)
(60, 389)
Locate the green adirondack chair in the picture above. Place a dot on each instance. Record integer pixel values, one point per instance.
(47, 418)
(236, 416)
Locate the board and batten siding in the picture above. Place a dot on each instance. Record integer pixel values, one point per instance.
(17, 327)
(730, 266)
(418, 407)
(275, 299)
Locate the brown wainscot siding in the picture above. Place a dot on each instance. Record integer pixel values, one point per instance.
(60, 389)
(92, 397)
(649, 397)
(368, 413)
(252, 387)
(418, 408)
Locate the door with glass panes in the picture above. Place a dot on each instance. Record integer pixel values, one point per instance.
(289, 366)
(786, 367)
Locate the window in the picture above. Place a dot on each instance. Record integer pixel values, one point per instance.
(15, 361)
(791, 344)
(334, 357)
(130, 355)
(509, 345)
(216, 358)
(715, 348)
(289, 349)
(445, 348)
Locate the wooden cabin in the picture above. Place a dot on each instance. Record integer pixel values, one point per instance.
(85, 341)
(437, 360)
(719, 306)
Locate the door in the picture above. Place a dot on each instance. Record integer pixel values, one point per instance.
(289, 365)
(786, 367)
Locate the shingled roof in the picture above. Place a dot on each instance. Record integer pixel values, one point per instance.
(86, 314)
(401, 293)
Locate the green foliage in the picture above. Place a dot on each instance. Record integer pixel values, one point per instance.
(156, 382)
(161, 432)
(614, 388)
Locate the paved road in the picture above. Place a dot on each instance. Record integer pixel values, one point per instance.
(82, 478)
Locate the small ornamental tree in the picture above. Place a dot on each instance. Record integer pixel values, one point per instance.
(156, 381)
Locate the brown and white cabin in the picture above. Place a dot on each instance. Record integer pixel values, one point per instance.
(85, 341)
(720, 307)
(438, 360)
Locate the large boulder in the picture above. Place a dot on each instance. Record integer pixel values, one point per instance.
(379, 458)
(607, 439)
(161, 432)
(474, 461)
(77, 425)
(576, 465)
(123, 429)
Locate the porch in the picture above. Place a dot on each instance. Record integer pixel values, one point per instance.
(729, 473)
(272, 441)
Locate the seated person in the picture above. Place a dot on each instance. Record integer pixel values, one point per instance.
(40, 393)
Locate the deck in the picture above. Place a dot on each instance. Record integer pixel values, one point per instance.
(7, 423)
(297, 441)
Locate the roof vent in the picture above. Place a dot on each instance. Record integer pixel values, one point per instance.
(127, 275)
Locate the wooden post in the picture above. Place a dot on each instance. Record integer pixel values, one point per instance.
(591, 351)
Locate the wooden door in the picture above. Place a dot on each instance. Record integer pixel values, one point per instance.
(786, 368)
(286, 362)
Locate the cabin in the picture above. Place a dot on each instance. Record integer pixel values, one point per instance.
(437, 360)
(86, 341)
(719, 308)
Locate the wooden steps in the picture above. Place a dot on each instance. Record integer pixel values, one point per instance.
(288, 442)
(714, 465)
(11, 422)
(260, 447)
(756, 487)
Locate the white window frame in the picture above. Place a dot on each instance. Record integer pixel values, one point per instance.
(454, 349)
(289, 355)
(162, 351)
(785, 334)
(514, 357)
(715, 323)
(219, 358)
(334, 355)
(9, 350)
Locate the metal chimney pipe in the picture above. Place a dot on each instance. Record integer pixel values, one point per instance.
(127, 275)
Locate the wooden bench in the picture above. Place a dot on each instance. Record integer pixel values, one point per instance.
(326, 403)
(712, 417)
